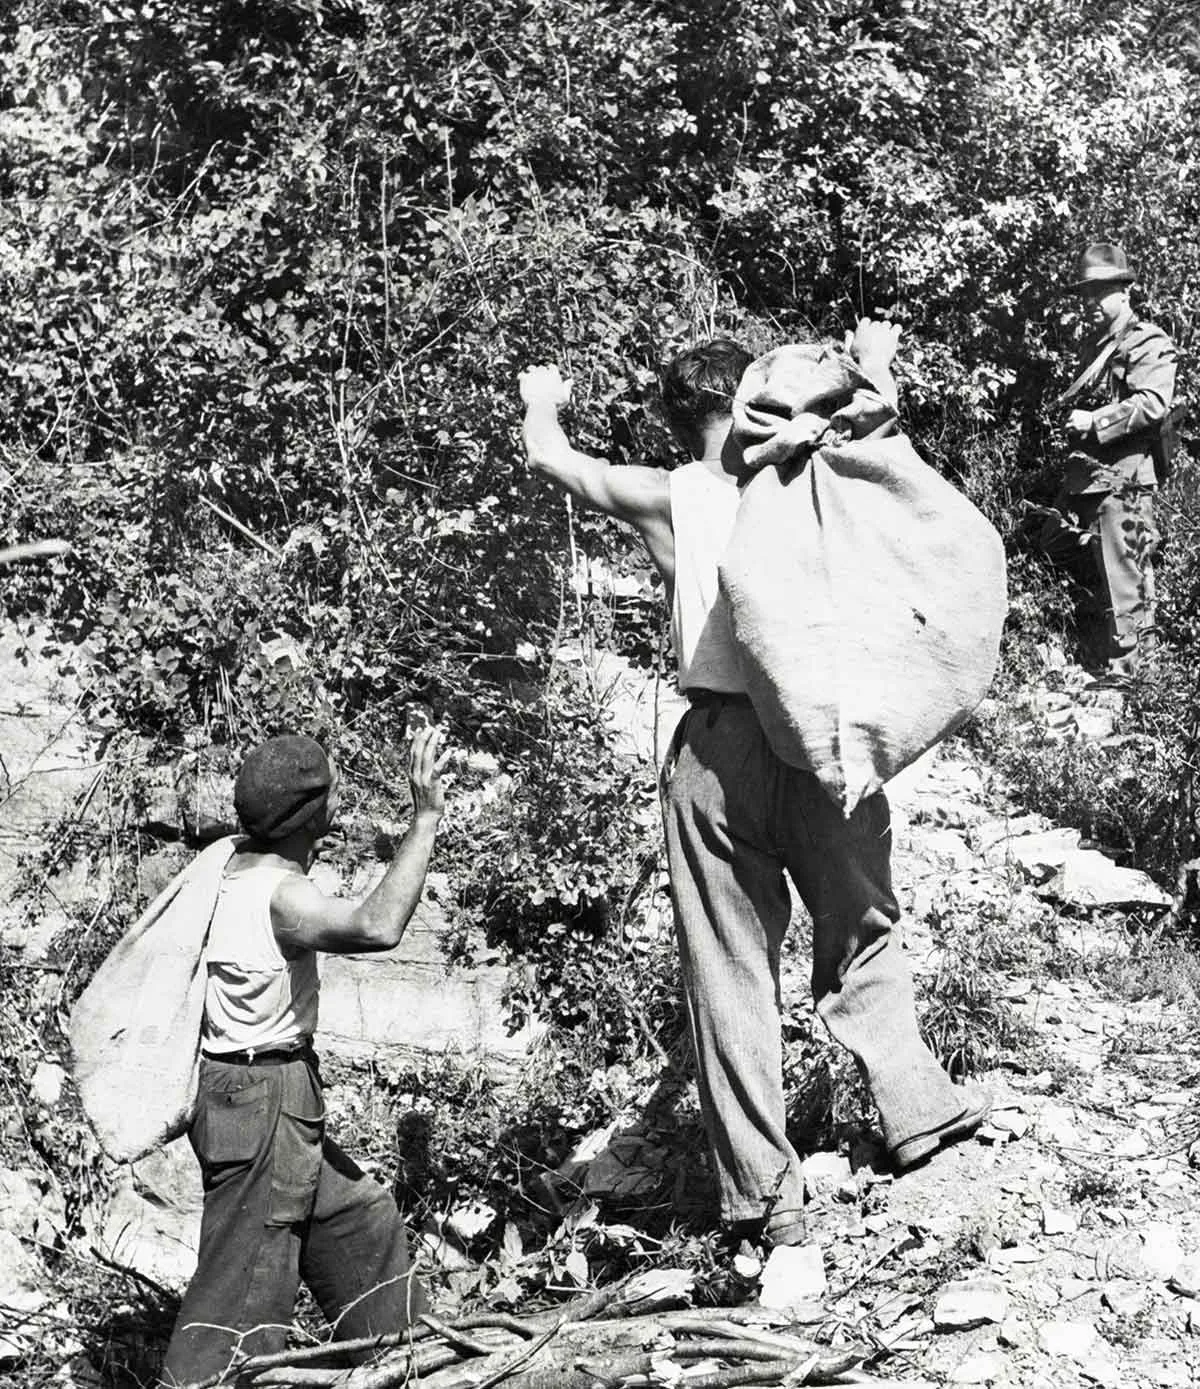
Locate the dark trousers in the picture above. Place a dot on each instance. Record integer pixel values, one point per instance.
(737, 818)
(282, 1202)
(1123, 541)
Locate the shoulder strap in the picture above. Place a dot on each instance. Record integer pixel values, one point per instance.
(1091, 373)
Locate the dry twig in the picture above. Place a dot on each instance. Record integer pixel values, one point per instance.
(625, 1349)
(34, 549)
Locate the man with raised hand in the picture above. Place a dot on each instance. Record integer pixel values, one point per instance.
(737, 818)
(1119, 405)
(281, 1200)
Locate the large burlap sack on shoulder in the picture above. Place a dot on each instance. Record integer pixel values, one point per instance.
(867, 594)
(796, 380)
(135, 1030)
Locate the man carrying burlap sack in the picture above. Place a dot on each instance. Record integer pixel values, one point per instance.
(738, 816)
(281, 1200)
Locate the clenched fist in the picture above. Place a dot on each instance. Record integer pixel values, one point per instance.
(544, 386)
(874, 342)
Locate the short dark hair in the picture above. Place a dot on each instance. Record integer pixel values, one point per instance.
(701, 382)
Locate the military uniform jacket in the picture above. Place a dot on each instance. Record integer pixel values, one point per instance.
(1130, 398)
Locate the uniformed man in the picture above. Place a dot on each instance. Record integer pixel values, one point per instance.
(1119, 404)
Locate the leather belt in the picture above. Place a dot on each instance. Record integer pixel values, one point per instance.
(270, 1056)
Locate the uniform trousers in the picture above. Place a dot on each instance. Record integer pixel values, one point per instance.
(282, 1202)
(1125, 539)
(736, 819)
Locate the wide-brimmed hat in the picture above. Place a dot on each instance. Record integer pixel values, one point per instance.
(1101, 263)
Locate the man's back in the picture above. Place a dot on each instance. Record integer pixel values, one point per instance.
(703, 512)
(257, 998)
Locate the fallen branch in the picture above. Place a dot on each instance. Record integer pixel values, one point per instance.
(623, 1349)
(771, 1373)
(291, 1377)
(513, 1365)
(424, 1357)
(586, 1307)
(454, 1337)
(418, 1339)
(101, 1258)
(578, 1340)
(34, 549)
(484, 1376)
(821, 1366)
(240, 528)
(391, 1376)
(723, 1325)
(499, 1321)
(623, 1366)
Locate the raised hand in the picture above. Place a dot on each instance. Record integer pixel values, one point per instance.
(874, 342)
(544, 386)
(425, 773)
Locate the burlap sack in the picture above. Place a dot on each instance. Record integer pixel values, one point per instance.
(799, 379)
(867, 596)
(135, 1029)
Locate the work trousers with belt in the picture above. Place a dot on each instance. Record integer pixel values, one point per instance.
(282, 1202)
(736, 818)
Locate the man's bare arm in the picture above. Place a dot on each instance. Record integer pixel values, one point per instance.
(638, 496)
(304, 918)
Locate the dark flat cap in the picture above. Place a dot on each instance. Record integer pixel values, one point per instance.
(281, 785)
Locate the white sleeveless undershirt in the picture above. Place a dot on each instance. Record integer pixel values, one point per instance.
(703, 510)
(255, 998)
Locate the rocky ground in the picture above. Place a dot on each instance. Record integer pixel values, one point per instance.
(1060, 1247)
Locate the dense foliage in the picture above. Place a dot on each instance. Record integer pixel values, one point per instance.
(268, 272)
(270, 268)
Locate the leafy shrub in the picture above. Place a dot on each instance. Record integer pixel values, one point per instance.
(566, 858)
(269, 273)
(964, 1021)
